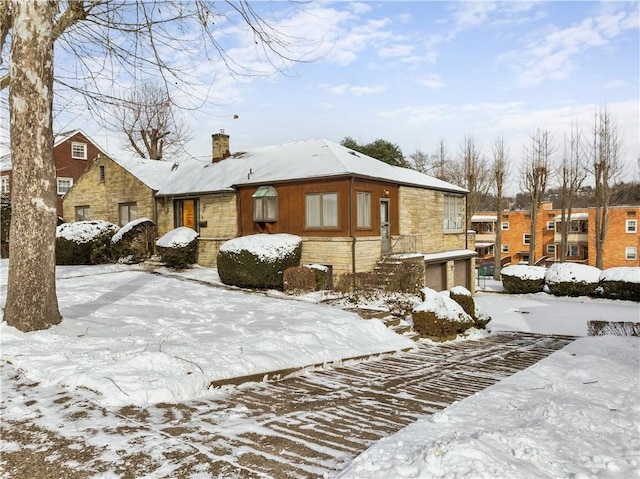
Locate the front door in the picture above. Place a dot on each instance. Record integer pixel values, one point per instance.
(385, 227)
(186, 213)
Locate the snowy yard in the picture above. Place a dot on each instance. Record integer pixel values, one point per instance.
(137, 338)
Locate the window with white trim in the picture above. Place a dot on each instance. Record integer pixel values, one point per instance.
(551, 225)
(526, 238)
(453, 213)
(631, 226)
(321, 210)
(64, 185)
(83, 213)
(505, 248)
(551, 249)
(573, 250)
(631, 253)
(78, 150)
(363, 204)
(265, 205)
(4, 184)
(127, 212)
(504, 225)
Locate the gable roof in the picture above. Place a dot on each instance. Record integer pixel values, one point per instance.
(153, 173)
(300, 160)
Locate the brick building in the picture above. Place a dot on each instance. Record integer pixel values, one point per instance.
(73, 152)
(621, 247)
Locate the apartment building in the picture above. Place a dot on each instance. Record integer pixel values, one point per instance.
(620, 248)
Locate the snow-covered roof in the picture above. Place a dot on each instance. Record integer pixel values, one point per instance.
(153, 173)
(487, 218)
(574, 217)
(5, 162)
(307, 159)
(459, 253)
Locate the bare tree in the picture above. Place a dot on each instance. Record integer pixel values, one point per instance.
(500, 169)
(534, 176)
(101, 43)
(471, 172)
(150, 122)
(572, 174)
(419, 161)
(440, 162)
(606, 168)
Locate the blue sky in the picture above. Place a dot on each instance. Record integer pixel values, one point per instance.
(417, 72)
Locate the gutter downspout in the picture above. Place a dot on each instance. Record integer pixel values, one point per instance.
(351, 232)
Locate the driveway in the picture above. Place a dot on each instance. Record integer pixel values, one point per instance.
(305, 426)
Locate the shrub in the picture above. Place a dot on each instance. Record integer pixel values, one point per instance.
(407, 276)
(521, 279)
(621, 283)
(84, 242)
(572, 279)
(438, 317)
(133, 243)
(298, 279)
(463, 297)
(323, 276)
(178, 248)
(258, 261)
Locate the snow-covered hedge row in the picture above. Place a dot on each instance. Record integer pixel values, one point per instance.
(573, 279)
(133, 243)
(179, 247)
(258, 261)
(84, 242)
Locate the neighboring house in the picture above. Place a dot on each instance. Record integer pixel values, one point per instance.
(116, 191)
(73, 152)
(621, 248)
(349, 209)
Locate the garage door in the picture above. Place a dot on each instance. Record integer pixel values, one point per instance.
(435, 276)
(461, 273)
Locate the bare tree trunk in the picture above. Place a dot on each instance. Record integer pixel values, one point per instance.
(33, 225)
(500, 173)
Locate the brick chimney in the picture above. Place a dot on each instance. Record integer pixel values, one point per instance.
(220, 146)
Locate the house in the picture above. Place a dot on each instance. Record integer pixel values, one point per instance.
(349, 209)
(116, 191)
(73, 152)
(620, 248)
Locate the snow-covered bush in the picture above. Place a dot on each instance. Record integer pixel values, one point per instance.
(178, 248)
(522, 279)
(463, 297)
(322, 275)
(572, 279)
(258, 261)
(133, 243)
(298, 279)
(621, 283)
(439, 317)
(84, 242)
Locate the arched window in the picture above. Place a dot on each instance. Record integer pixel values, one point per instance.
(265, 204)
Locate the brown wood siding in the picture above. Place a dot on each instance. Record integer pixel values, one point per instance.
(291, 207)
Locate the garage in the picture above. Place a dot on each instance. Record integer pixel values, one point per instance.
(435, 276)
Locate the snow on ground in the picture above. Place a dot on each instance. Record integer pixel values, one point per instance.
(141, 338)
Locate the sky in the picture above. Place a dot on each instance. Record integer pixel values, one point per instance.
(415, 73)
(133, 338)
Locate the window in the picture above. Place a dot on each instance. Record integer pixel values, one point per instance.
(265, 204)
(453, 213)
(631, 253)
(504, 225)
(551, 225)
(102, 174)
(551, 249)
(78, 151)
(526, 238)
(364, 209)
(321, 210)
(505, 248)
(4, 184)
(64, 185)
(83, 213)
(573, 250)
(631, 226)
(127, 212)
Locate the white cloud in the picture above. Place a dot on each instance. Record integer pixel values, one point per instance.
(432, 81)
(396, 50)
(366, 90)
